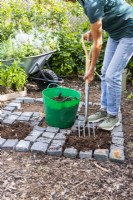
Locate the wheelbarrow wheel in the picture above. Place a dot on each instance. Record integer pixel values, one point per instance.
(49, 74)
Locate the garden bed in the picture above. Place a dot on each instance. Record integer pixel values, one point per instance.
(65, 178)
(54, 141)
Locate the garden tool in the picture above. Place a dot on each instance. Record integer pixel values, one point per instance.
(84, 124)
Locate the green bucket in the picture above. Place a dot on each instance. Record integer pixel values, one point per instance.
(60, 114)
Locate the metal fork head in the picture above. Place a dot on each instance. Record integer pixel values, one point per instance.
(82, 125)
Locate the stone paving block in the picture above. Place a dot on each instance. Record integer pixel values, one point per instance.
(16, 105)
(36, 133)
(9, 108)
(39, 147)
(3, 115)
(39, 128)
(81, 103)
(117, 140)
(2, 141)
(116, 146)
(36, 114)
(39, 100)
(20, 99)
(118, 128)
(17, 113)
(31, 138)
(117, 134)
(23, 118)
(8, 121)
(6, 112)
(40, 119)
(48, 134)
(12, 117)
(74, 129)
(44, 140)
(17, 101)
(65, 131)
(10, 144)
(54, 151)
(70, 152)
(85, 154)
(52, 129)
(23, 146)
(1, 119)
(57, 143)
(117, 155)
(34, 123)
(101, 154)
(29, 100)
(27, 114)
(120, 116)
(60, 136)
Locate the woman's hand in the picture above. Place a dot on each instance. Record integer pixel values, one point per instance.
(89, 75)
(88, 36)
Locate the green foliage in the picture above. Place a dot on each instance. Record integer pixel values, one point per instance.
(130, 96)
(69, 60)
(130, 70)
(65, 21)
(13, 77)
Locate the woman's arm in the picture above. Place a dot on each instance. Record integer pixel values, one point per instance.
(96, 32)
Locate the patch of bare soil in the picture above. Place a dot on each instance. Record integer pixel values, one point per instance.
(31, 107)
(102, 140)
(18, 130)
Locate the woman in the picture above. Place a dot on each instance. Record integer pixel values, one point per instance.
(116, 18)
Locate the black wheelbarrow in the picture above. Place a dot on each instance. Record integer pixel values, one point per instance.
(38, 69)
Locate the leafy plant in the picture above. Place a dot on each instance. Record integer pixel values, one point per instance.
(13, 77)
(28, 44)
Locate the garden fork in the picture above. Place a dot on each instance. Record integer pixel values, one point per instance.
(87, 90)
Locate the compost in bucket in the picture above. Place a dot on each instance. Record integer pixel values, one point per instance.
(61, 98)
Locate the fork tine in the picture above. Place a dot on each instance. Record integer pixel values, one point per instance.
(94, 133)
(89, 130)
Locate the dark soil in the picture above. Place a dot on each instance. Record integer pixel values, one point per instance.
(102, 140)
(18, 130)
(62, 99)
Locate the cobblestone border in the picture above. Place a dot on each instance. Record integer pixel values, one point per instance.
(50, 140)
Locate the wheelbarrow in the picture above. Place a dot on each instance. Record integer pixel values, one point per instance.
(38, 69)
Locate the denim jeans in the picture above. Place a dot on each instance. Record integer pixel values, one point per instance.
(117, 56)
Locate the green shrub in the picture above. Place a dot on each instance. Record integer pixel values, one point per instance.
(13, 77)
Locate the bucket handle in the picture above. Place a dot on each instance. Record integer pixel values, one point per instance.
(53, 84)
(73, 98)
(59, 88)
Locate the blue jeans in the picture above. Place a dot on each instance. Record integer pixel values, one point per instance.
(117, 56)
